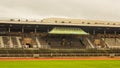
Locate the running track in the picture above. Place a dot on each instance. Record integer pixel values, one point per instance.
(68, 58)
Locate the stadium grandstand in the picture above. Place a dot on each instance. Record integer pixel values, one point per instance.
(57, 37)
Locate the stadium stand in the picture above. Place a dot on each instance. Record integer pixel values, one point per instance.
(54, 37)
(113, 42)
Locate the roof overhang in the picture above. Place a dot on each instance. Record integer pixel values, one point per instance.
(68, 31)
(60, 24)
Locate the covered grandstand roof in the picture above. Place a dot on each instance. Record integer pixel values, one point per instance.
(62, 21)
(68, 30)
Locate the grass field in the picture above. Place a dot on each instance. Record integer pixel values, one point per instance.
(60, 64)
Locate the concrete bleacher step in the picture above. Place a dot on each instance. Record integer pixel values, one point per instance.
(113, 42)
(43, 43)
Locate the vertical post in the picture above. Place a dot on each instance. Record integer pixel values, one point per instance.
(22, 29)
(47, 30)
(94, 32)
(22, 36)
(104, 34)
(35, 32)
(9, 36)
(37, 41)
(115, 33)
(35, 36)
(9, 32)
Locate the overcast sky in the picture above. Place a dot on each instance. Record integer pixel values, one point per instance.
(83, 9)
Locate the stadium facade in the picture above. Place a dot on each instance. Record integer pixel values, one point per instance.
(59, 37)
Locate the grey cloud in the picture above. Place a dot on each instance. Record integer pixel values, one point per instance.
(82, 9)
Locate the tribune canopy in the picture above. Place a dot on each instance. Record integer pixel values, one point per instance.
(68, 30)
